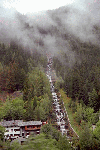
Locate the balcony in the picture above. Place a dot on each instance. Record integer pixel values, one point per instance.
(32, 128)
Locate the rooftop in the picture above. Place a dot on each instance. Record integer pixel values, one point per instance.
(19, 123)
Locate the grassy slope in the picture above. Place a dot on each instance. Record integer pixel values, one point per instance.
(66, 101)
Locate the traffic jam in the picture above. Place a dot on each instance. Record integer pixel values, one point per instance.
(60, 114)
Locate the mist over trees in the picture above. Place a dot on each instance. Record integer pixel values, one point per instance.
(82, 81)
(20, 70)
(71, 36)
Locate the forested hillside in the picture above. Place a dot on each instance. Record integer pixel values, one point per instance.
(81, 83)
(82, 80)
(15, 63)
(24, 71)
(70, 36)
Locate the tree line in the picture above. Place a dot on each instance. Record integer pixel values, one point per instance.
(49, 139)
(15, 62)
(82, 80)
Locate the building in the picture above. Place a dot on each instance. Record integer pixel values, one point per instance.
(26, 128)
(19, 128)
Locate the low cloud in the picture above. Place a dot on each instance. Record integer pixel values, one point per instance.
(51, 31)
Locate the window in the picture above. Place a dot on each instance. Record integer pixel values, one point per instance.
(22, 134)
(16, 134)
(16, 130)
(11, 130)
(28, 133)
(11, 134)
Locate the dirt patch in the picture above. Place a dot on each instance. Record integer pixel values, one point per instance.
(4, 95)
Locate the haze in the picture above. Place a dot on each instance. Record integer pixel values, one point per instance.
(46, 30)
(30, 6)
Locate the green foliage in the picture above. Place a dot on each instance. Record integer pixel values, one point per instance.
(62, 142)
(93, 99)
(89, 139)
(37, 96)
(40, 114)
(12, 109)
(15, 62)
(97, 130)
(81, 78)
(18, 108)
(79, 113)
(36, 84)
(45, 103)
(59, 83)
(48, 130)
(15, 146)
(86, 139)
(35, 102)
(87, 114)
(38, 108)
(29, 113)
(2, 130)
(39, 142)
(49, 139)
(73, 106)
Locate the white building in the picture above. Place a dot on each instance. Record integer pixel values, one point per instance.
(18, 128)
(12, 132)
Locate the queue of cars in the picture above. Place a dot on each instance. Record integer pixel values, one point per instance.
(60, 115)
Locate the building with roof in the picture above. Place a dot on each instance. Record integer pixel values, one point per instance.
(19, 128)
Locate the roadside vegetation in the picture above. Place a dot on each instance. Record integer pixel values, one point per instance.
(23, 72)
(48, 139)
(80, 90)
(82, 118)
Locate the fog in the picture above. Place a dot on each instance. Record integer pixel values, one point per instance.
(45, 31)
